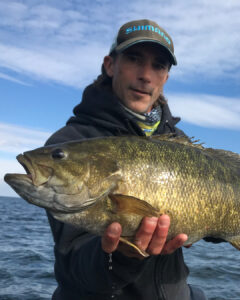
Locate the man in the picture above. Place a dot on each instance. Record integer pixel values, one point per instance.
(126, 99)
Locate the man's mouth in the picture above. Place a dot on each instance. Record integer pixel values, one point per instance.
(140, 91)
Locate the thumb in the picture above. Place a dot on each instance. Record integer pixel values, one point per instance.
(110, 238)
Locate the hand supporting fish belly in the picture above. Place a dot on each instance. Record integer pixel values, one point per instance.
(150, 239)
(122, 188)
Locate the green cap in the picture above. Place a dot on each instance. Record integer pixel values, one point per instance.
(141, 31)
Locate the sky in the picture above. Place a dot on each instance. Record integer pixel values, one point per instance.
(51, 50)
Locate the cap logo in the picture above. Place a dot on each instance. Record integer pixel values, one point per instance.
(148, 28)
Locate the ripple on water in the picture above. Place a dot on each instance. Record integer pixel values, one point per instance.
(215, 268)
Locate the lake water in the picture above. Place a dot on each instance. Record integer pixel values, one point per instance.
(26, 258)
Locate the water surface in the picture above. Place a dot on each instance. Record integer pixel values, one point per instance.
(26, 258)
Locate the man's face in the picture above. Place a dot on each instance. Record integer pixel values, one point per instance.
(138, 75)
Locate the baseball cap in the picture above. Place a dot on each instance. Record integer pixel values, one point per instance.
(141, 31)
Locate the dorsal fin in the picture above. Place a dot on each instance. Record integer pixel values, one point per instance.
(182, 139)
(227, 157)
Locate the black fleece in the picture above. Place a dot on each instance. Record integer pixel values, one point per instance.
(81, 267)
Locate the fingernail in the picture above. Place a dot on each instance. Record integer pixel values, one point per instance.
(185, 238)
(114, 230)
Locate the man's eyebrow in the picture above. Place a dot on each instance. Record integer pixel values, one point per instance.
(132, 52)
(162, 59)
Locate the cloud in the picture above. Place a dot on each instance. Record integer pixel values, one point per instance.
(207, 110)
(53, 65)
(8, 166)
(15, 139)
(65, 41)
(10, 78)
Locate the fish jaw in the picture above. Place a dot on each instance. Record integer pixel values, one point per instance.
(23, 185)
(46, 197)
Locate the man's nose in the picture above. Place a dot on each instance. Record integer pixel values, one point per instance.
(145, 71)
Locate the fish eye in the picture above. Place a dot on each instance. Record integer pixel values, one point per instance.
(58, 154)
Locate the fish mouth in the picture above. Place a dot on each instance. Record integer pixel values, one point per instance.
(13, 178)
(38, 174)
(27, 165)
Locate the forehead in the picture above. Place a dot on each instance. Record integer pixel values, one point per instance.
(149, 49)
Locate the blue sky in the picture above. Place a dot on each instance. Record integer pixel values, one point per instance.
(50, 50)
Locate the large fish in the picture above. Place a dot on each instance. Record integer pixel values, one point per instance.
(93, 182)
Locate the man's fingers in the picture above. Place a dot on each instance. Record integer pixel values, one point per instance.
(174, 244)
(151, 236)
(110, 238)
(145, 232)
(159, 236)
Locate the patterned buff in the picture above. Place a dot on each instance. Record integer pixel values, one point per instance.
(154, 115)
(148, 122)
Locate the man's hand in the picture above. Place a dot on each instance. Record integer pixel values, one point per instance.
(151, 237)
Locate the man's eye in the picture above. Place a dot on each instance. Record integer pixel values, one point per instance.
(159, 66)
(132, 58)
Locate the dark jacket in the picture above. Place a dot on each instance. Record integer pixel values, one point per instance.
(82, 269)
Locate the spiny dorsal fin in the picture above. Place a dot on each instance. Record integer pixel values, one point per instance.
(232, 158)
(182, 139)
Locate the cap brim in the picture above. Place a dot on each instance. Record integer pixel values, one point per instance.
(123, 46)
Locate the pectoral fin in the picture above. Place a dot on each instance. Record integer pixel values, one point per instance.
(130, 249)
(132, 205)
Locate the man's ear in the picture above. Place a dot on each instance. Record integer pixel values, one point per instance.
(166, 79)
(167, 76)
(108, 65)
